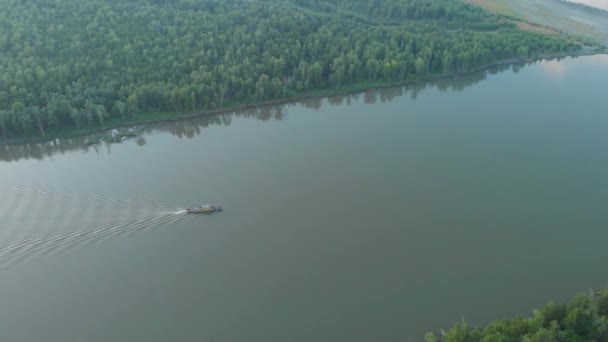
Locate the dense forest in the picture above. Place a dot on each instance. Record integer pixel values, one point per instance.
(584, 318)
(193, 128)
(71, 63)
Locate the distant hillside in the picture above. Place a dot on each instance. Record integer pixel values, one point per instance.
(596, 4)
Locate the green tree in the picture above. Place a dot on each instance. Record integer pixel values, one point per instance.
(100, 113)
(582, 319)
(184, 55)
(4, 122)
(76, 116)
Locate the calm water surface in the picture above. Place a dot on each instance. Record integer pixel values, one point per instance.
(372, 217)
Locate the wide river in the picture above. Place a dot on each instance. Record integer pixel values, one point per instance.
(371, 217)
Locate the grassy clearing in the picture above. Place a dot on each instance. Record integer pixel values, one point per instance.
(503, 7)
(524, 25)
(497, 6)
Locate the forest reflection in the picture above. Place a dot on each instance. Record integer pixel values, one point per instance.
(190, 128)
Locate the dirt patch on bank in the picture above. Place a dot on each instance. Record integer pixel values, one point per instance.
(522, 25)
(496, 6)
(502, 7)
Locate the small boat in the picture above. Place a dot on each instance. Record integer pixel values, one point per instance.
(205, 209)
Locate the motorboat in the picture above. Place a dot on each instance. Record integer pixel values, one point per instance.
(205, 209)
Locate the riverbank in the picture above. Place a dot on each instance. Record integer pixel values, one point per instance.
(158, 117)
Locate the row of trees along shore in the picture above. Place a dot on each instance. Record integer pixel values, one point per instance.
(583, 319)
(72, 63)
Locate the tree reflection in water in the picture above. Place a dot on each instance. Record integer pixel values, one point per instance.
(189, 128)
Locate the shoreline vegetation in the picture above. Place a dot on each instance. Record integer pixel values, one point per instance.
(159, 117)
(188, 126)
(70, 68)
(583, 318)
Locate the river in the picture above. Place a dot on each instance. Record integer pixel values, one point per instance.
(369, 217)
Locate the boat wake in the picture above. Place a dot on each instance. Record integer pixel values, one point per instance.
(177, 212)
(91, 197)
(34, 222)
(20, 251)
